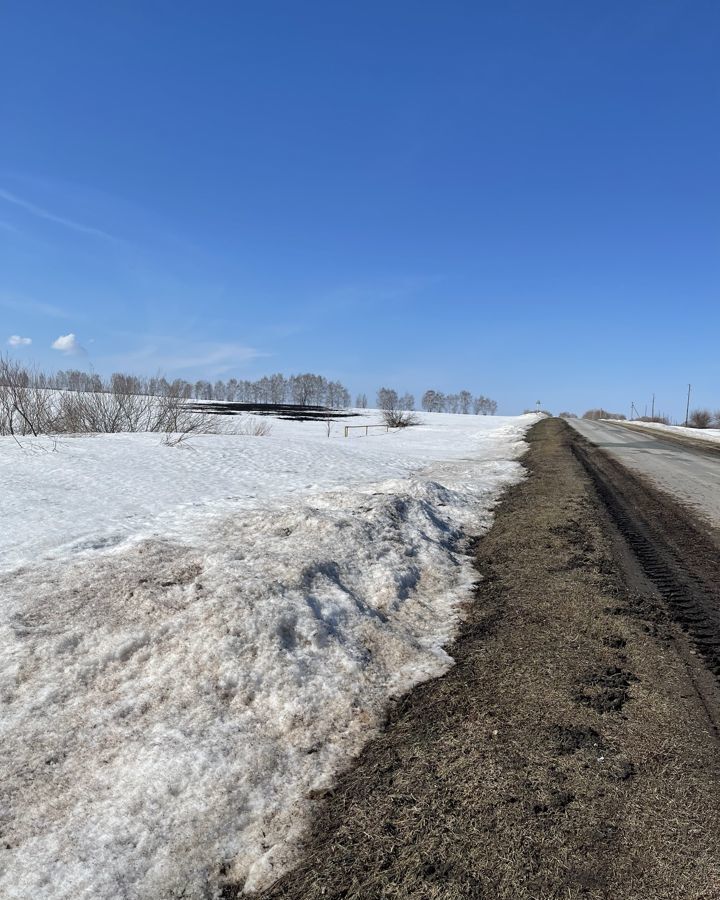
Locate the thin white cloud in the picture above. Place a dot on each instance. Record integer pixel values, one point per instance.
(51, 217)
(16, 341)
(67, 343)
(208, 356)
(173, 356)
(32, 306)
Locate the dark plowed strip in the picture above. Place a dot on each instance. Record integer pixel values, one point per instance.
(679, 555)
(566, 755)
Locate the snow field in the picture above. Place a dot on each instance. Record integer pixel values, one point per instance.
(207, 633)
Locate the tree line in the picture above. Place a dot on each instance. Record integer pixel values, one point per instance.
(305, 389)
(463, 402)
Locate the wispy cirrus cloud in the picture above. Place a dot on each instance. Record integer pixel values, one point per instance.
(22, 304)
(177, 356)
(15, 340)
(41, 213)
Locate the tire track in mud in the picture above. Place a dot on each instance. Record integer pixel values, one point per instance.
(678, 555)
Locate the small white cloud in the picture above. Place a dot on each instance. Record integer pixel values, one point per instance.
(16, 341)
(67, 343)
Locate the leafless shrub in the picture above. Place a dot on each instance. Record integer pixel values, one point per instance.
(255, 427)
(567, 415)
(175, 417)
(25, 407)
(700, 418)
(119, 410)
(407, 402)
(397, 418)
(174, 438)
(28, 407)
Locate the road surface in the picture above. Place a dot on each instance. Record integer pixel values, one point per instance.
(690, 475)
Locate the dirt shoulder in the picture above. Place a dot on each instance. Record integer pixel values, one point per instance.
(570, 752)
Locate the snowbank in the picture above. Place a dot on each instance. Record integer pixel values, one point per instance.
(700, 434)
(195, 638)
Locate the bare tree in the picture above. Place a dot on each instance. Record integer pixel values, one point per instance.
(452, 403)
(308, 389)
(465, 402)
(335, 397)
(345, 398)
(361, 401)
(433, 401)
(387, 399)
(278, 388)
(484, 406)
(407, 402)
(203, 390)
(264, 387)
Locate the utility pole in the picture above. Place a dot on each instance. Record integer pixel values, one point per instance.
(687, 408)
(652, 414)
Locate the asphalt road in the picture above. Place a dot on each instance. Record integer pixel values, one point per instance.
(690, 475)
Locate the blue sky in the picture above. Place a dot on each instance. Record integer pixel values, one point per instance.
(518, 198)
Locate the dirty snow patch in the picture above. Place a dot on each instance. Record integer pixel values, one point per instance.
(173, 696)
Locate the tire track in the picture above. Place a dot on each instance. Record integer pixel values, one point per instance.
(676, 553)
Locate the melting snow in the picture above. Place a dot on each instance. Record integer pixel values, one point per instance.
(195, 638)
